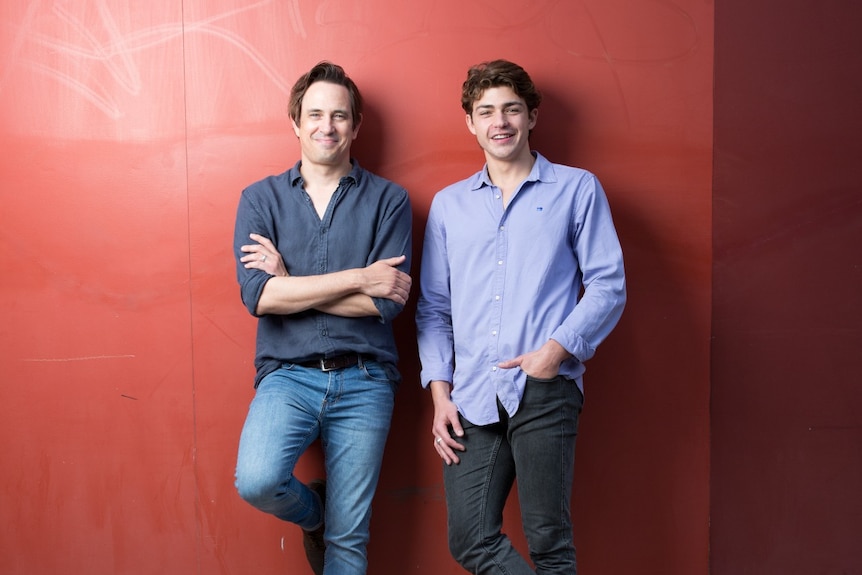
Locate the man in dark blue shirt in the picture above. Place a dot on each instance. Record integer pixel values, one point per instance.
(323, 255)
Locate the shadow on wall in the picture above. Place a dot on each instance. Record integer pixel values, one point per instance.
(556, 133)
(370, 146)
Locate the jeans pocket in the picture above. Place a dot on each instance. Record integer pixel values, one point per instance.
(376, 371)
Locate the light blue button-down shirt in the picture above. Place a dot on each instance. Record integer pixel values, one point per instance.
(498, 283)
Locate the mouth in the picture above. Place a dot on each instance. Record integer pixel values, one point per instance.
(501, 137)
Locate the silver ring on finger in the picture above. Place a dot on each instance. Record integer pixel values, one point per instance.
(263, 259)
(438, 441)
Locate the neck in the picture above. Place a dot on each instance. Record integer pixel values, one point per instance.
(324, 174)
(510, 173)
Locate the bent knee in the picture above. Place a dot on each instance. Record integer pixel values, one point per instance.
(259, 491)
(467, 551)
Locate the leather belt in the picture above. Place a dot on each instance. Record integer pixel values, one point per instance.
(333, 363)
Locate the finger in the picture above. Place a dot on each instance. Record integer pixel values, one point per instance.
(250, 258)
(447, 459)
(446, 454)
(396, 261)
(264, 241)
(447, 443)
(509, 364)
(399, 295)
(402, 288)
(404, 280)
(449, 456)
(459, 431)
(451, 444)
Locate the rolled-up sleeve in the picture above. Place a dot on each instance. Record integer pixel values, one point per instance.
(394, 238)
(600, 257)
(249, 220)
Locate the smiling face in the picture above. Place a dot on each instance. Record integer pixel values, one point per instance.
(501, 123)
(326, 127)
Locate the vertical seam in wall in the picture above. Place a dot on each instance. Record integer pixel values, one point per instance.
(197, 501)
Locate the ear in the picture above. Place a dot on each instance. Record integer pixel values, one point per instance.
(470, 125)
(534, 116)
(356, 125)
(295, 127)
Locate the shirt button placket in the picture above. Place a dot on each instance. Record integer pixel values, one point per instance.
(496, 304)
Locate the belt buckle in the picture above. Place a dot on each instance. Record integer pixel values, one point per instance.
(324, 366)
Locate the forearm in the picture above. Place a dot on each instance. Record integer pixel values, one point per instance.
(293, 294)
(353, 305)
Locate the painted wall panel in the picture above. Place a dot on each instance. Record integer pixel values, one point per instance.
(97, 422)
(787, 448)
(126, 356)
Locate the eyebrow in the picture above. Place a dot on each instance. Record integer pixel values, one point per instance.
(504, 105)
(321, 110)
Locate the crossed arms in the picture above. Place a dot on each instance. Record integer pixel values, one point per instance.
(346, 293)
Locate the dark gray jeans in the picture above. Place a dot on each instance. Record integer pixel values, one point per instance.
(537, 446)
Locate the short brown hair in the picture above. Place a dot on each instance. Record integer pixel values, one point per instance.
(494, 74)
(325, 72)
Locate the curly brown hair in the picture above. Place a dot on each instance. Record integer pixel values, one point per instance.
(494, 74)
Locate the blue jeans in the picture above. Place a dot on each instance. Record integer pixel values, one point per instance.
(536, 445)
(350, 410)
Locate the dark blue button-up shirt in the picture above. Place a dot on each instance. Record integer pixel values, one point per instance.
(368, 218)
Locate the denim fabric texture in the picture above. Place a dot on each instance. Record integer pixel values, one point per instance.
(350, 411)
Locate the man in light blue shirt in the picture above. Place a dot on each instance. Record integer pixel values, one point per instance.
(522, 277)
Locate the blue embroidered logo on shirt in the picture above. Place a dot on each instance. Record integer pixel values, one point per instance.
(539, 208)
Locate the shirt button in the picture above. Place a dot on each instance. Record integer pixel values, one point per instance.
(494, 332)
(494, 368)
(496, 298)
(500, 262)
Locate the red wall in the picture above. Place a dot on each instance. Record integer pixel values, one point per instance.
(128, 131)
(786, 399)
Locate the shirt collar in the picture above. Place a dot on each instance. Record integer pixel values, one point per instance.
(542, 171)
(355, 175)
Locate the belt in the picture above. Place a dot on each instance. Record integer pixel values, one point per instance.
(332, 363)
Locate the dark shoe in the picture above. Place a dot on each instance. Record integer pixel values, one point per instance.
(313, 542)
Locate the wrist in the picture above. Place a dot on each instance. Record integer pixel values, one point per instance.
(555, 351)
(440, 390)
